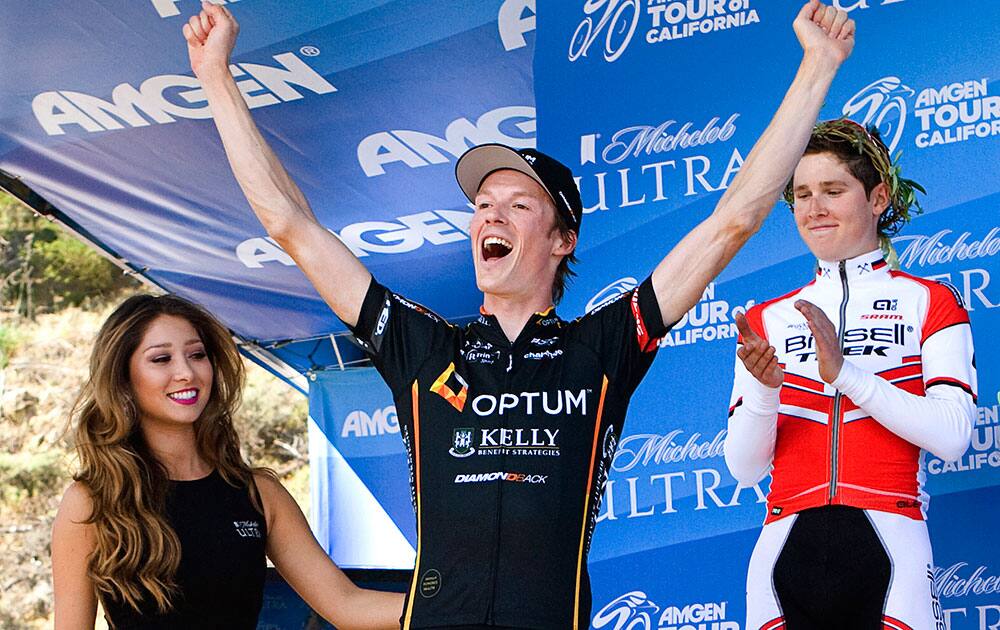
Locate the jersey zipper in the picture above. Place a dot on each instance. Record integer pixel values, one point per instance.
(835, 418)
(491, 611)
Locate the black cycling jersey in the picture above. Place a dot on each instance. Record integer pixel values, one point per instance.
(222, 569)
(509, 447)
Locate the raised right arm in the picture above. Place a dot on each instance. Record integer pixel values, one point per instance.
(279, 204)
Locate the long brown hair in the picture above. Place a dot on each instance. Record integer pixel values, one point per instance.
(137, 552)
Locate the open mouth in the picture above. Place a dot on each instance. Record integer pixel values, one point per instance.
(495, 247)
(185, 396)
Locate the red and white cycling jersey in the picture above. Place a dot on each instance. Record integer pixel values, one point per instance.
(908, 384)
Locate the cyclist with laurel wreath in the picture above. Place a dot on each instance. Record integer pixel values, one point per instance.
(531, 405)
(840, 388)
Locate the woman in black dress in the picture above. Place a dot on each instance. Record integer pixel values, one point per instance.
(166, 524)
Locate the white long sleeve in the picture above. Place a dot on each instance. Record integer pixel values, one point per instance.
(753, 427)
(940, 422)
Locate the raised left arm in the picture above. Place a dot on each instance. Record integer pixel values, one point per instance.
(827, 38)
(314, 576)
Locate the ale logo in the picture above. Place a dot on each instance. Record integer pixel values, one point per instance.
(461, 443)
(447, 383)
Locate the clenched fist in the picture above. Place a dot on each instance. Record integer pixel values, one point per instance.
(825, 30)
(210, 35)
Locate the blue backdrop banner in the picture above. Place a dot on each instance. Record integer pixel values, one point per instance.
(367, 102)
(669, 97)
(361, 508)
(654, 103)
(666, 107)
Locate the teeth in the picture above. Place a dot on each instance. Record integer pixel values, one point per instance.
(496, 240)
(185, 395)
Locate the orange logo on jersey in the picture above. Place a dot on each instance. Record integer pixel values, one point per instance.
(442, 388)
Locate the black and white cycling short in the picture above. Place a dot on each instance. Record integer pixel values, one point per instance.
(842, 567)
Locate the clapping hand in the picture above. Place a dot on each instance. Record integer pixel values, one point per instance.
(758, 355)
(828, 352)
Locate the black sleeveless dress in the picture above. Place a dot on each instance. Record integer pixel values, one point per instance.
(222, 568)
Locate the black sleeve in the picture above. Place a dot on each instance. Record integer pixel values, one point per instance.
(398, 334)
(625, 332)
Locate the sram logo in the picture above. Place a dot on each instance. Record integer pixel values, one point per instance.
(360, 424)
(513, 126)
(165, 98)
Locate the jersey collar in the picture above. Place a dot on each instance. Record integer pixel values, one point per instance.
(863, 268)
(489, 327)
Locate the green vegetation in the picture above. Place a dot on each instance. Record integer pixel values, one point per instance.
(8, 341)
(25, 476)
(43, 269)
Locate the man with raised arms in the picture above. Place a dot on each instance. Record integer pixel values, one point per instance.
(511, 421)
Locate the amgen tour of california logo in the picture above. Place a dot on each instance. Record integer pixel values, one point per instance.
(881, 104)
(635, 611)
(946, 114)
(613, 23)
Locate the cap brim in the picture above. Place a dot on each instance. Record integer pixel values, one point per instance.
(478, 162)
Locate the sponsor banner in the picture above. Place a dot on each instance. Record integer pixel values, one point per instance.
(966, 562)
(358, 471)
(651, 166)
(120, 140)
(962, 250)
(704, 588)
(675, 94)
(669, 97)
